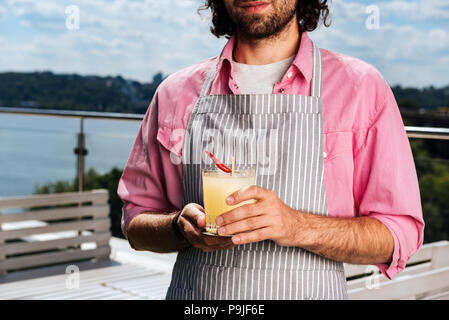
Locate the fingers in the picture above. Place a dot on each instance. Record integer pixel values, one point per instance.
(216, 241)
(245, 225)
(253, 236)
(211, 243)
(243, 212)
(196, 214)
(201, 241)
(191, 223)
(189, 228)
(247, 193)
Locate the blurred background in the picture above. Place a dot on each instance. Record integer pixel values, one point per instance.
(62, 57)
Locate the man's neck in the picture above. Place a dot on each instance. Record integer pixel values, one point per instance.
(270, 50)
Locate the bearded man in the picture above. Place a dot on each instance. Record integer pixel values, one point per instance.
(339, 185)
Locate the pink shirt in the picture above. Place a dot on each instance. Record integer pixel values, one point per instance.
(368, 168)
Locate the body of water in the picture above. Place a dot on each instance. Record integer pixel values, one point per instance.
(35, 150)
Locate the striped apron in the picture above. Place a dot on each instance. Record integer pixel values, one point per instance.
(281, 135)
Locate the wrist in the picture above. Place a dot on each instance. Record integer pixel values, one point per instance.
(301, 229)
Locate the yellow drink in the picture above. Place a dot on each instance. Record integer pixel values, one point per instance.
(217, 186)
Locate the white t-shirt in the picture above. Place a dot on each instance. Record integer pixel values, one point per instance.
(259, 79)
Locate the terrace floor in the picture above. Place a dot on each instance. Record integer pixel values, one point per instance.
(128, 274)
(137, 275)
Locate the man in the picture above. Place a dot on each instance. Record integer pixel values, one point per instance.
(340, 186)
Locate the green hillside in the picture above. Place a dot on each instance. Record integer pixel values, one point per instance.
(115, 94)
(74, 92)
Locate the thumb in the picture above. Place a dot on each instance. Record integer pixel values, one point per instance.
(201, 220)
(196, 215)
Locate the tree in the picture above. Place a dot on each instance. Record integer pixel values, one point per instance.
(408, 104)
(434, 188)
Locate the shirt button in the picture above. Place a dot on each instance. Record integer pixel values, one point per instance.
(324, 154)
(289, 75)
(281, 90)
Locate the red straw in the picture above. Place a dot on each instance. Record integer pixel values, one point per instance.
(218, 163)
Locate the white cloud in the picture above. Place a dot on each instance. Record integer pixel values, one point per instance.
(2, 13)
(132, 38)
(419, 10)
(41, 8)
(348, 11)
(403, 49)
(137, 38)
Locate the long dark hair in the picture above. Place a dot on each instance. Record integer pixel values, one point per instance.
(309, 13)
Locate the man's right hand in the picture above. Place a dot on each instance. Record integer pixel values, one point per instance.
(191, 223)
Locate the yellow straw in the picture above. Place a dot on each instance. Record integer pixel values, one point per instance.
(232, 166)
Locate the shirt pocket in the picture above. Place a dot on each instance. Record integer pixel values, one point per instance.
(337, 144)
(163, 136)
(339, 173)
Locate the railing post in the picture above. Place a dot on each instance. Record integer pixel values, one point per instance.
(2, 256)
(81, 152)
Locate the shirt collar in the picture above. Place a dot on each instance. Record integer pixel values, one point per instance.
(303, 60)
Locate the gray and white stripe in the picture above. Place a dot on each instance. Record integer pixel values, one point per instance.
(289, 129)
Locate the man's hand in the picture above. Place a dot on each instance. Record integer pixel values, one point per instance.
(192, 222)
(358, 240)
(267, 218)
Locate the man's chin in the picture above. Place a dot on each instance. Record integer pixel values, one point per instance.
(255, 36)
(261, 25)
(256, 28)
(258, 33)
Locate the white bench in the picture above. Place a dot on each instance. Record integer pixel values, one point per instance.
(54, 233)
(426, 276)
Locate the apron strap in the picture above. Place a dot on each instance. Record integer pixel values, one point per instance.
(209, 77)
(316, 74)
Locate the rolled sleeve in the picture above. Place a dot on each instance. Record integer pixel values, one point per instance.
(386, 184)
(143, 185)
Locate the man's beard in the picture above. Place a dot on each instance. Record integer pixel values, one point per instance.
(262, 26)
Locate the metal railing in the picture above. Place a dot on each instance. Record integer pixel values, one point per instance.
(427, 133)
(81, 151)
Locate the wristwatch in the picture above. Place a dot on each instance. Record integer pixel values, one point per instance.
(176, 226)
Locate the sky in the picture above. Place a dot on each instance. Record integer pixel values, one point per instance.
(407, 41)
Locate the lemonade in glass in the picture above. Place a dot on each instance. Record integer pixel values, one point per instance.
(217, 186)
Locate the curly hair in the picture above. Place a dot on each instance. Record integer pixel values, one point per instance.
(309, 13)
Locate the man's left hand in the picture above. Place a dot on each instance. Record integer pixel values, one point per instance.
(267, 218)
